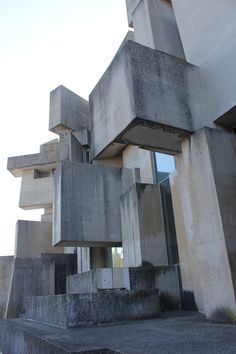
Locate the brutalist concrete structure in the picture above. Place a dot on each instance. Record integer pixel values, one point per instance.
(169, 89)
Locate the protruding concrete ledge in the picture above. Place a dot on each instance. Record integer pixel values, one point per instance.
(87, 204)
(228, 119)
(46, 160)
(146, 98)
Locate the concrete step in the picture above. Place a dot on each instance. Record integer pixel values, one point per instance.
(68, 311)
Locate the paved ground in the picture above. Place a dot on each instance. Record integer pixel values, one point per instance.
(176, 332)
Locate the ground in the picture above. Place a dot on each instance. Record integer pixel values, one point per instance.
(173, 332)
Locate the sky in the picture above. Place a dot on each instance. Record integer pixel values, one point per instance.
(44, 44)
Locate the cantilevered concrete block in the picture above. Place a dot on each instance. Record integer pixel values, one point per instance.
(68, 111)
(143, 235)
(87, 204)
(145, 98)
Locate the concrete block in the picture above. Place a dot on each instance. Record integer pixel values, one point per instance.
(68, 111)
(87, 204)
(150, 99)
(106, 306)
(155, 25)
(143, 235)
(36, 190)
(104, 278)
(34, 238)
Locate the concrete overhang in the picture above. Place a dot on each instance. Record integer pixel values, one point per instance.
(228, 119)
(17, 164)
(146, 98)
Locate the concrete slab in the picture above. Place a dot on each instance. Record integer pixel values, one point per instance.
(179, 332)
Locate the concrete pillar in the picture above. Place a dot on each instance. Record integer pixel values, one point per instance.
(143, 236)
(207, 181)
(184, 258)
(155, 25)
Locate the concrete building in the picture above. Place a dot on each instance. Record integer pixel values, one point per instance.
(169, 89)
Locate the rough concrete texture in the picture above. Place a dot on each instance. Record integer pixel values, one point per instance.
(87, 204)
(207, 176)
(34, 238)
(166, 279)
(182, 333)
(143, 236)
(6, 267)
(155, 25)
(35, 277)
(151, 99)
(91, 308)
(44, 161)
(98, 279)
(68, 111)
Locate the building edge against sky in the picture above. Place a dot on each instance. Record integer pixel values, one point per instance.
(98, 184)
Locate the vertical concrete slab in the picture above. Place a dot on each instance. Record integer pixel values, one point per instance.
(143, 235)
(6, 268)
(207, 177)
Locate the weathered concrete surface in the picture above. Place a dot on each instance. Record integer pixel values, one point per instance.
(208, 34)
(155, 25)
(34, 238)
(68, 111)
(98, 279)
(150, 99)
(181, 332)
(105, 306)
(36, 277)
(87, 204)
(166, 279)
(181, 233)
(143, 236)
(6, 267)
(207, 178)
(44, 161)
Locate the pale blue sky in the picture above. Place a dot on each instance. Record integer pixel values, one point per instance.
(44, 44)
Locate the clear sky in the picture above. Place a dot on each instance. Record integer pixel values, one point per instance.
(43, 44)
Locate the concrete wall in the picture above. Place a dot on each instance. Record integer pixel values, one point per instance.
(34, 238)
(149, 98)
(143, 236)
(36, 191)
(6, 267)
(208, 34)
(155, 25)
(87, 204)
(134, 157)
(207, 176)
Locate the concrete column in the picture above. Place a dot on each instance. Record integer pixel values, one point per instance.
(184, 258)
(207, 181)
(155, 25)
(143, 236)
